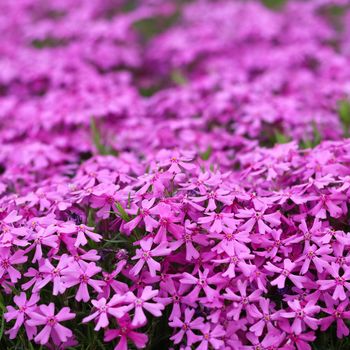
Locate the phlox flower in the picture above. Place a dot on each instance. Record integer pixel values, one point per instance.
(125, 332)
(337, 313)
(104, 308)
(8, 259)
(142, 302)
(338, 282)
(242, 301)
(187, 327)
(302, 315)
(45, 316)
(81, 274)
(25, 307)
(145, 256)
(285, 272)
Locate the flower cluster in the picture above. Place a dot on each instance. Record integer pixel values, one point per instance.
(183, 189)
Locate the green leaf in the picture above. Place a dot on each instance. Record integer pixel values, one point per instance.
(344, 115)
(317, 136)
(178, 77)
(96, 137)
(281, 138)
(90, 218)
(274, 4)
(206, 155)
(124, 215)
(2, 325)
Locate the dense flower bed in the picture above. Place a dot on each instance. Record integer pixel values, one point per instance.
(174, 174)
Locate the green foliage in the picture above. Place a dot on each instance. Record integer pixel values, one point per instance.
(123, 214)
(206, 155)
(280, 138)
(316, 139)
(344, 115)
(274, 4)
(97, 140)
(178, 77)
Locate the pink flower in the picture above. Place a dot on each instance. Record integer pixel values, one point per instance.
(7, 260)
(143, 215)
(103, 309)
(81, 231)
(146, 254)
(200, 283)
(81, 274)
(167, 223)
(186, 327)
(52, 328)
(218, 221)
(266, 317)
(337, 314)
(285, 272)
(302, 315)
(300, 341)
(258, 217)
(242, 301)
(316, 256)
(339, 283)
(126, 332)
(25, 307)
(104, 198)
(176, 161)
(140, 303)
(45, 237)
(54, 274)
(211, 337)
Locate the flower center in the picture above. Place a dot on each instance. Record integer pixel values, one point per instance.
(84, 278)
(51, 321)
(5, 263)
(340, 281)
(138, 302)
(285, 272)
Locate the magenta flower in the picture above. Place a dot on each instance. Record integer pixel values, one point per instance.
(45, 237)
(53, 274)
(202, 282)
(104, 308)
(143, 214)
(45, 316)
(211, 337)
(176, 161)
(285, 272)
(258, 218)
(140, 303)
(81, 274)
(302, 315)
(217, 221)
(242, 301)
(25, 307)
(300, 341)
(7, 260)
(186, 328)
(339, 282)
(235, 261)
(266, 317)
(337, 314)
(146, 254)
(212, 197)
(126, 332)
(82, 233)
(315, 255)
(167, 223)
(104, 198)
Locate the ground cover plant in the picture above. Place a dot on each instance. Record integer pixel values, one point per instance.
(175, 174)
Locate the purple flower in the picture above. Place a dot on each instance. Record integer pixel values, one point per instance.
(45, 316)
